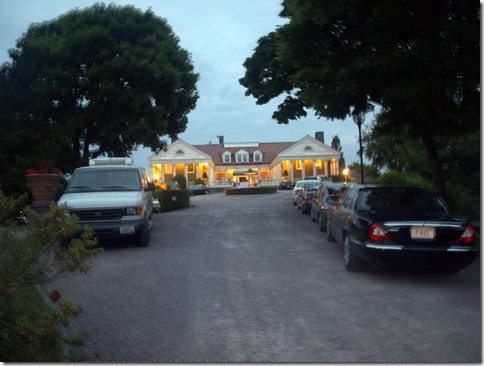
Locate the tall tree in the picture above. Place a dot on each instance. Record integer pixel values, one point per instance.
(336, 144)
(418, 60)
(109, 76)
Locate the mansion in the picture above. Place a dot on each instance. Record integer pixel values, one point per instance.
(245, 162)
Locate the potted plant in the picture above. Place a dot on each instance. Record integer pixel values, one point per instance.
(43, 183)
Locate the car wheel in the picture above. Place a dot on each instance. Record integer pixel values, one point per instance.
(351, 262)
(303, 211)
(329, 236)
(143, 237)
(321, 225)
(206, 192)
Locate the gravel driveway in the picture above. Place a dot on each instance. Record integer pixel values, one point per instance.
(250, 279)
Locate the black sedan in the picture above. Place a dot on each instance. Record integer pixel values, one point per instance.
(286, 184)
(400, 226)
(198, 189)
(325, 198)
(306, 195)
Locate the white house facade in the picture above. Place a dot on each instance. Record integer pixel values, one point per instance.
(252, 162)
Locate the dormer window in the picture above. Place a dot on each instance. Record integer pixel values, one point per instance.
(257, 156)
(242, 156)
(226, 157)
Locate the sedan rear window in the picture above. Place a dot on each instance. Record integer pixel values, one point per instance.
(398, 198)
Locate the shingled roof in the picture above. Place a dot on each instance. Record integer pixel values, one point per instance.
(269, 151)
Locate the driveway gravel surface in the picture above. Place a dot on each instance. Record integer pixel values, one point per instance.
(250, 279)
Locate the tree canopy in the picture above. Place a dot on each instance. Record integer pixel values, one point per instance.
(107, 76)
(418, 60)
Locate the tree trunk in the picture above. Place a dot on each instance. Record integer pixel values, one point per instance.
(435, 163)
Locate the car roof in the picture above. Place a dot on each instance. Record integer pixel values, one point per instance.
(109, 167)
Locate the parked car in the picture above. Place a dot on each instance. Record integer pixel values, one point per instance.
(319, 178)
(172, 185)
(295, 191)
(286, 184)
(400, 226)
(156, 206)
(198, 189)
(326, 197)
(306, 196)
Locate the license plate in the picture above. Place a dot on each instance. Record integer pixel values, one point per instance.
(126, 229)
(421, 232)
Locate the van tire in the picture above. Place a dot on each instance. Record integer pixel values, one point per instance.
(143, 237)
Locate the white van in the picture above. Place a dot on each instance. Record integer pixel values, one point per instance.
(113, 197)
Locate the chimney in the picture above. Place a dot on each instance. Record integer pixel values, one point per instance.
(220, 140)
(319, 136)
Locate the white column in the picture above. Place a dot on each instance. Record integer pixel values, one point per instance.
(292, 171)
(197, 174)
(303, 169)
(314, 167)
(163, 173)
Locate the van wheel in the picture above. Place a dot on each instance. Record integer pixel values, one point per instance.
(143, 237)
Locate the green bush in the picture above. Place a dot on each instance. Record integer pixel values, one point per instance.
(172, 199)
(340, 178)
(30, 256)
(199, 181)
(250, 190)
(182, 181)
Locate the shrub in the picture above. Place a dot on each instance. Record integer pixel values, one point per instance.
(182, 181)
(30, 257)
(169, 203)
(199, 181)
(250, 190)
(340, 178)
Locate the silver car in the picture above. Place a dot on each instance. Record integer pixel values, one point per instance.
(296, 190)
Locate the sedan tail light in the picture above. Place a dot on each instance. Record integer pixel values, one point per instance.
(468, 235)
(377, 233)
(308, 198)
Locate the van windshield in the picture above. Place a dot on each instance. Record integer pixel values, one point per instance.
(105, 180)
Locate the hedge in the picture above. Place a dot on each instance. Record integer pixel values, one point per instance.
(251, 190)
(172, 199)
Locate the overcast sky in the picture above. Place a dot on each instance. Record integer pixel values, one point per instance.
(220, 35)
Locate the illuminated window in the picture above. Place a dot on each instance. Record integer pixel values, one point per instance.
(191, 168)
(168, 168)
(298, 165)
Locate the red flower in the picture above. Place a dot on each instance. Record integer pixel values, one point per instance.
(31, 171)
(44, 171)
